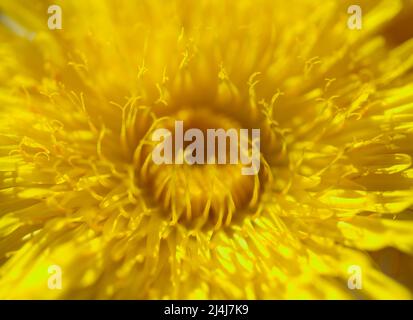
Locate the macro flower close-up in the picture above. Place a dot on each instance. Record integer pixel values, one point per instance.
(331, 203)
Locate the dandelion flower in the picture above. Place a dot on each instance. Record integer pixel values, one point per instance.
(78, 188)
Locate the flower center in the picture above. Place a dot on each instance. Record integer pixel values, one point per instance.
(200, 195)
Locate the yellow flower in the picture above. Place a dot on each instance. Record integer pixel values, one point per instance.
(78, 189)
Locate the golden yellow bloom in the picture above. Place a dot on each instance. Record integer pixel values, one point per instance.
(78, 188)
